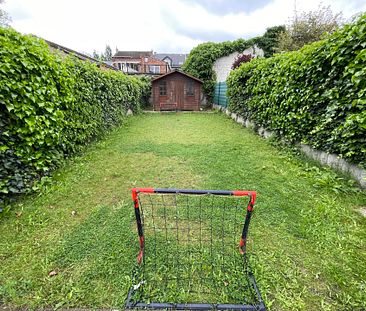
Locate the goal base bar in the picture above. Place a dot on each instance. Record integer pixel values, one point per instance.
(196, 306)
(260, 306)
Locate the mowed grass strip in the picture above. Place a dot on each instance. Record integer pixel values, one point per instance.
(307, 238)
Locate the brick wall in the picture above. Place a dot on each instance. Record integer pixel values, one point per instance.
(150, 61)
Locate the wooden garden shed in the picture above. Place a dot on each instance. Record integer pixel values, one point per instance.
(176, 90)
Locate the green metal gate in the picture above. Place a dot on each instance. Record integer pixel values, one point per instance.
(220, 97)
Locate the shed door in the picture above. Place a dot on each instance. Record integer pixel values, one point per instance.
(178, 93)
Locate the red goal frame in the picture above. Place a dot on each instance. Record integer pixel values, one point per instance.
(242, 242)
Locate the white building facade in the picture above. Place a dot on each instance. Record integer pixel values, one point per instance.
(222, 66)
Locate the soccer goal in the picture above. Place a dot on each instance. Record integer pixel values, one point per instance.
(192, 252)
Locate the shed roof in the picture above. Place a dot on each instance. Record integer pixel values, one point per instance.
(180, 72)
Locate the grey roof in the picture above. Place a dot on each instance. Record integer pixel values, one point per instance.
(133, 54)
(78, 54)
(177, 59)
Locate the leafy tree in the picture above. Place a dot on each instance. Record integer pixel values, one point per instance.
(308, 27)
(269, 41)
(96, 55)
(108, 53)
(4, 17)
(241, 58)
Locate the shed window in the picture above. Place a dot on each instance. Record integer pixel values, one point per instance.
(162, 88)
(190, 88)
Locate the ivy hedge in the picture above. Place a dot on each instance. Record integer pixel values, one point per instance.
(51, 106)
(200, 60)
(316, 95)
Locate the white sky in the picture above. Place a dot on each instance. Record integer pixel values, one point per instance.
(164, 26)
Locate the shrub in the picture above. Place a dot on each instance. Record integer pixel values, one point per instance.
(315, 95)
(269, 41)
(146, 91)
(51, 106)
(241, 58)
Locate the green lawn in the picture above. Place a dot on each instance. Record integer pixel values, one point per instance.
(307, 237)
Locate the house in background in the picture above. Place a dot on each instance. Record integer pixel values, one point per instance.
(175, 61)
(139, 62)
(176, 90)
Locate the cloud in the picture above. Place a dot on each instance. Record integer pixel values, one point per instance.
(161, 25)
(194, 28)
(204, 26)
(221, 7)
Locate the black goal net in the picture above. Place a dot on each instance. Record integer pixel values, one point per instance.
(193, 250)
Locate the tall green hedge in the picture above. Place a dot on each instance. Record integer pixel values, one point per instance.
(51, 105)
(200, 60)
(316, 95)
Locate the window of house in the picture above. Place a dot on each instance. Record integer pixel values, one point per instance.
(190, 88)
(154, 69)
(162, 88)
